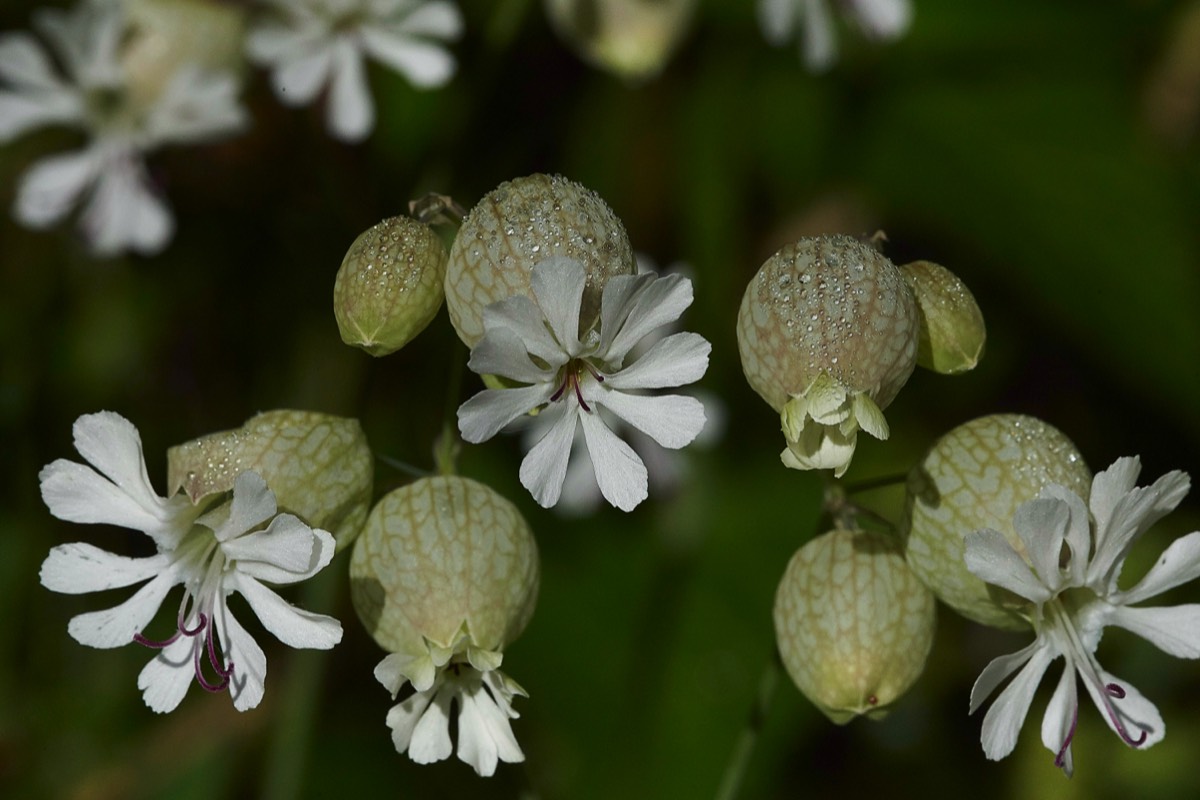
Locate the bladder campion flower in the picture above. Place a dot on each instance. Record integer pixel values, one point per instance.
(444, 577)
(879, 20)
(212, 553)
(1067, 565)
(571, 377)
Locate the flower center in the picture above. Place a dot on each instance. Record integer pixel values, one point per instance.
(570, 379)
(199, 601)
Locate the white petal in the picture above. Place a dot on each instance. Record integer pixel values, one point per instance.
(1179, 564)
(1078, 533)
(659, 303)
(52, 186)
(501, 352)
(545, 465)
(293, 626)
(484, 732)
(558, 285)
(1004, 718)
(679, 359)
(398, 669)
(819, 40)
(1042, 525)
(431, 736)
(164, 681)
(1062, 713)
(1108, 487)
(114, 627)
(438, 20)
(482, 417)
(20, 113)
(78, 568)
(867, 415)
(672, 420)
(253, 503)
(1175, 629)
(403, 718)
(297, 82)
(424, 64)
(777, 19)
(1132, 516)
(997, 670)
(196, 106)
(124, 212)
(523, 317)
(882, 19)
(76, 493)
(619, 471)
(271, 43)
(990, 557)
(246, 684)
(821, 447)
(286, 552)
(24, 65)
(1136, 714)
(350, 113)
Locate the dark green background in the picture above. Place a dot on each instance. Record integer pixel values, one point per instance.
(1028, 145)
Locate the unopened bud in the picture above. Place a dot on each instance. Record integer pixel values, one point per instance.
(319, 466)
(389, 287)
(853, 623)
(976, 476)
(440, 558)
(520, 224)
(827, 332)
(952, 332)
(630, 38)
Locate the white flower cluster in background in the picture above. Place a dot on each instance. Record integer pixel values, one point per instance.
(318, 44)
(122, 209)
(810, 21)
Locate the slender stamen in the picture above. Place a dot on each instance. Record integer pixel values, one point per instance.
(579, 394)
(157, 645)
(225, 671)
(1062, 752)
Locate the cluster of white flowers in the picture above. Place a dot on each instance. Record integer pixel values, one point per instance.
(881, 20)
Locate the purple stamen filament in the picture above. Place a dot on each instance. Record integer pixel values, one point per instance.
(1113, 690)
(1062, 753)
(204, 624)
(571, 380)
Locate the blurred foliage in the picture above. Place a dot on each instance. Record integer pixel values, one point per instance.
(1044, 151)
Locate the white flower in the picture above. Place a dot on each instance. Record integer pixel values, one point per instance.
(441, 678)
(324, 42)
(539, 345)
(212, 555)
(1069, 570)
(122, 210)
(881, 20)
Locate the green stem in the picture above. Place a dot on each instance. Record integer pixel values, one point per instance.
(448, 446)
(874, 483)
(735, 770)
(403, 466)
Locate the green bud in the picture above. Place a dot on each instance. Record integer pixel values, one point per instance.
(442, 558)
(827, 332)
(853, 623)
(952, 329)
(976, 476)
(630, 38)
(389, 287)
(518, 225)
(319, 466)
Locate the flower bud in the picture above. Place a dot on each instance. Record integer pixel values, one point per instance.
(976, 476)
(952, 332)
(853, 623)
(630, 38)
(389, 287)
(518, 225)
(166, 35)
(319, 466)
(441, 556)
(827, 332)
